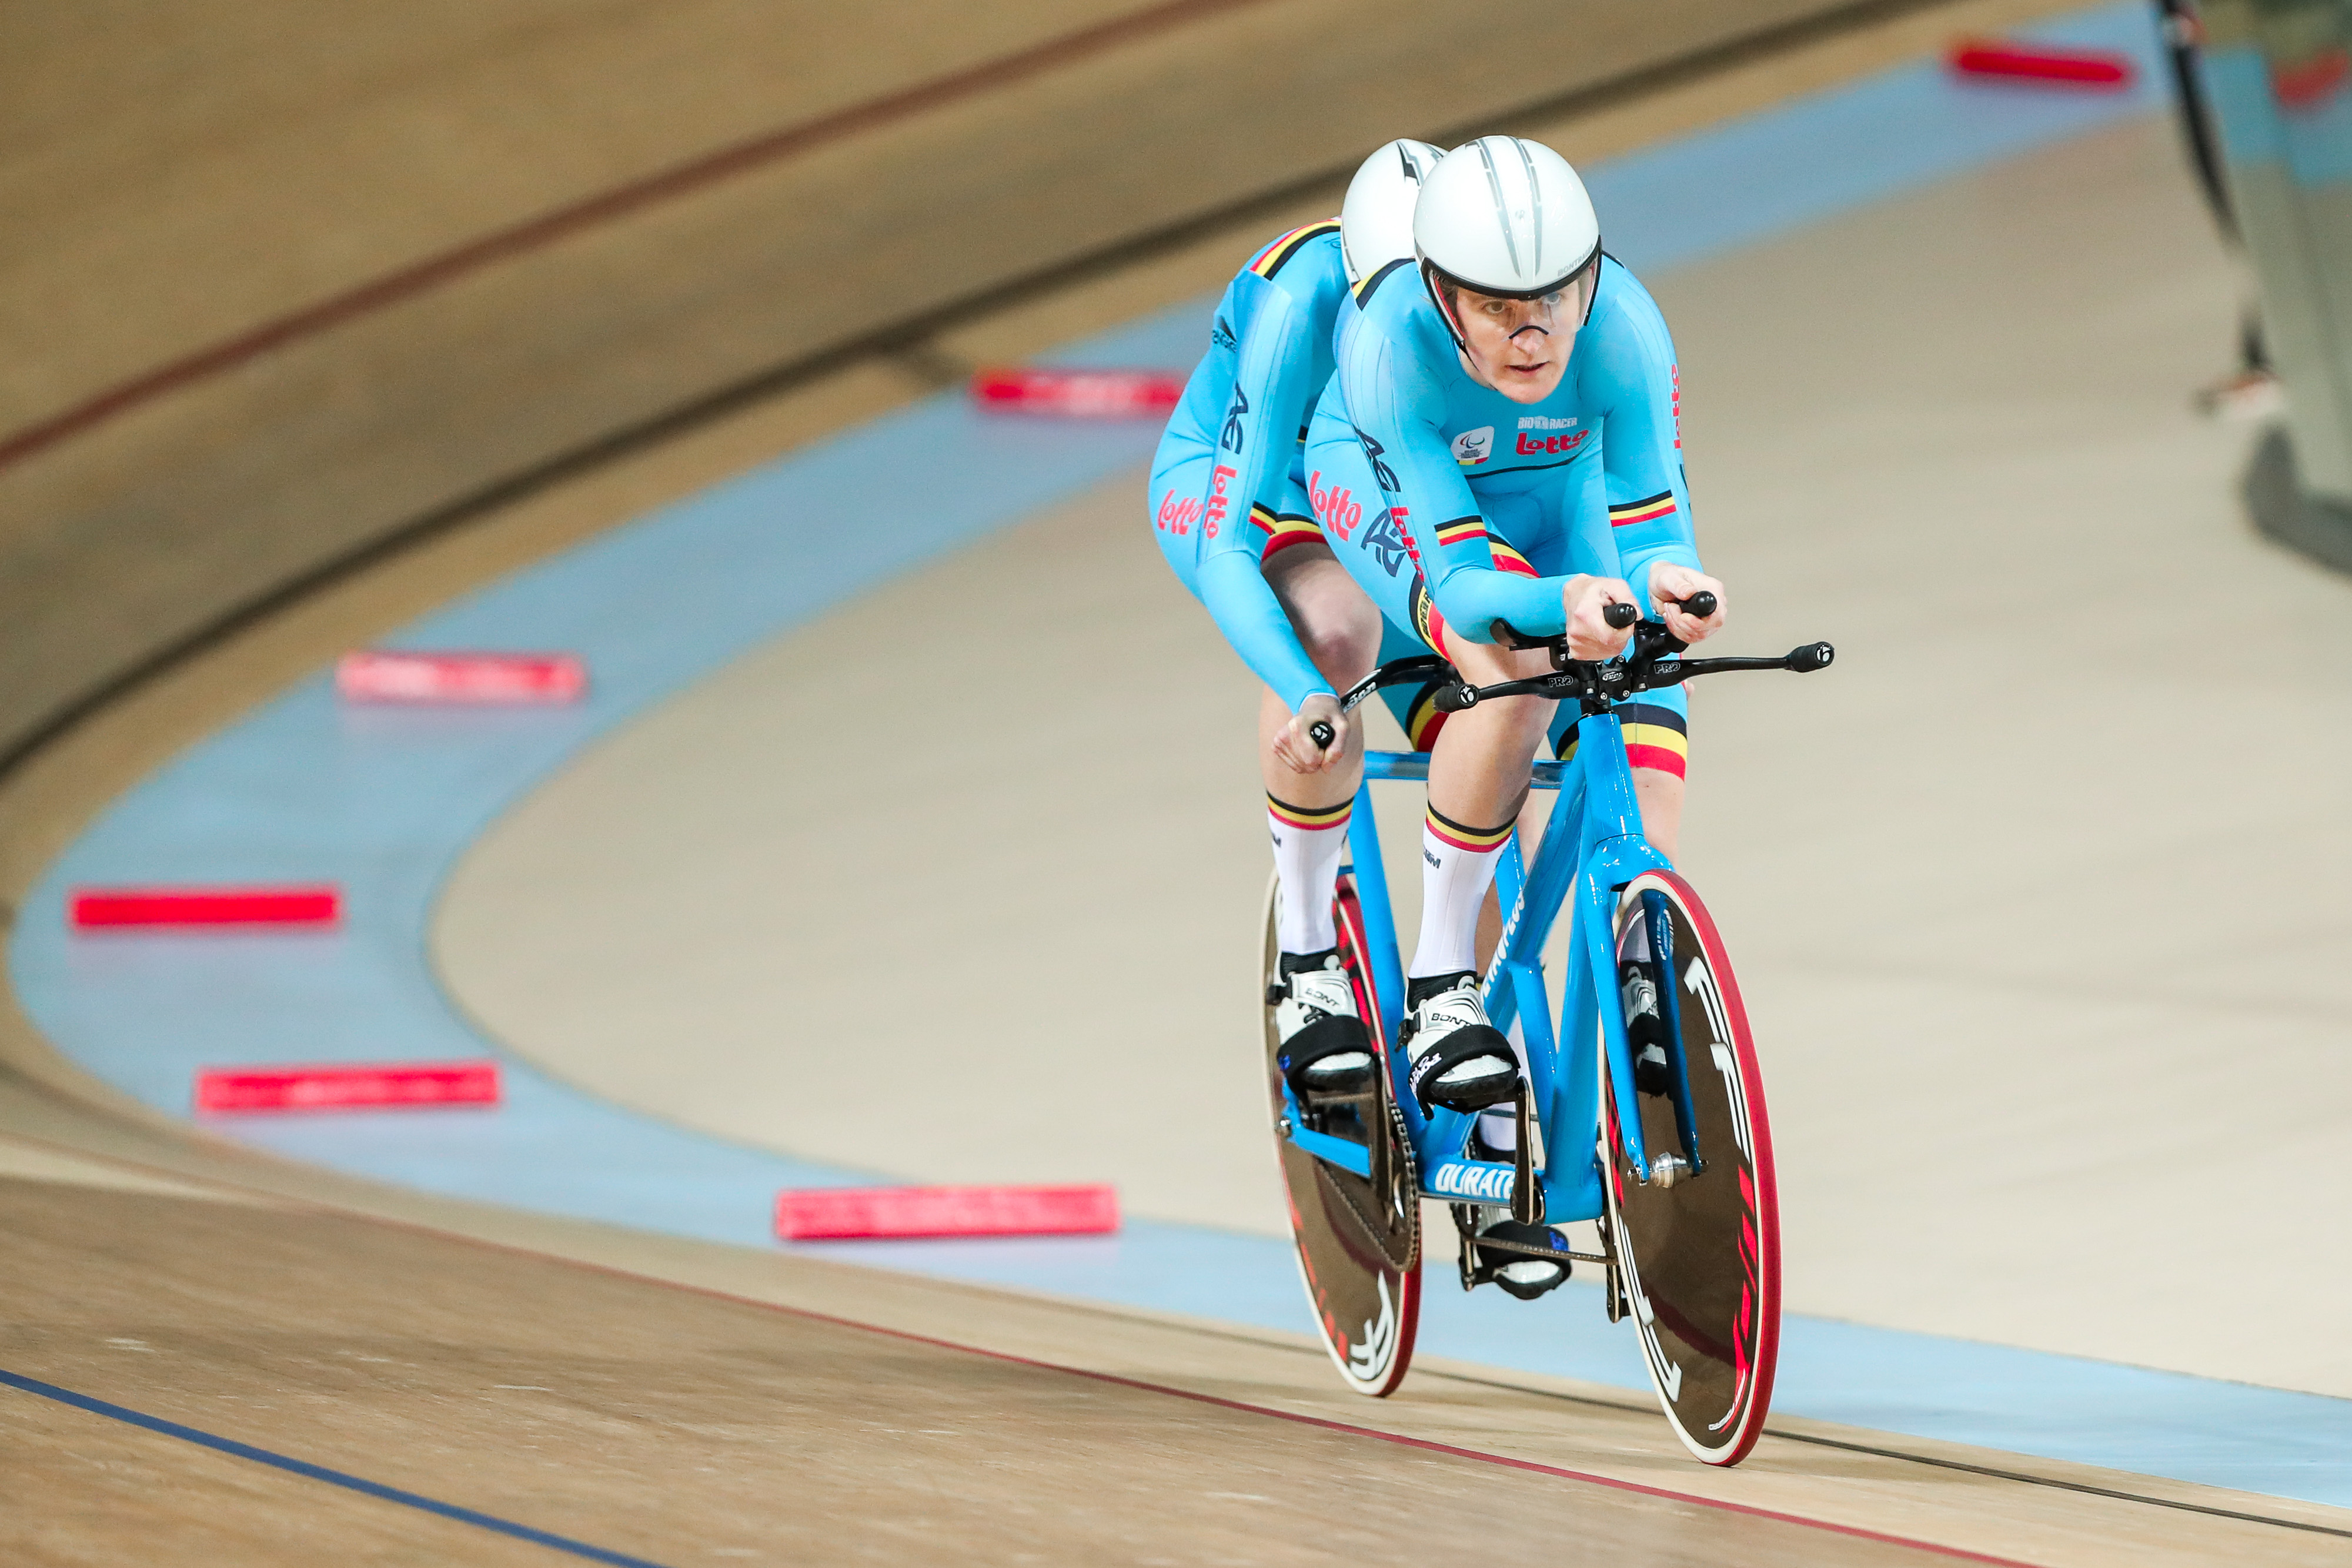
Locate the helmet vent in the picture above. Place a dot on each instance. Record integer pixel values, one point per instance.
(1502, 207)
(1535, 204)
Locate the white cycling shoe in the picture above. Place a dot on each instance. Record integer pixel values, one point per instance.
(1460, 1062)
(1326, 1050)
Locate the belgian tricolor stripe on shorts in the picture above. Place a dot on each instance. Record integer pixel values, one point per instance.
(1314, 819)
(1462, 530)
(1427, 623)
(1270, 260)
(1422, 720)
(1283, 530)
(1510, 560)
(1661, 504)
(1477, 841)
(1654, 737)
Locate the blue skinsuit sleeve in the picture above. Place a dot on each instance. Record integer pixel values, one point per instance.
(1252, 456)
(1632, 377)
(1398, 410)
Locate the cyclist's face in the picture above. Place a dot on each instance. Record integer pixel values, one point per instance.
(1519, 347)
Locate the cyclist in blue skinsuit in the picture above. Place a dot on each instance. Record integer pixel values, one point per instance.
(1512, 399)
(1233, 516)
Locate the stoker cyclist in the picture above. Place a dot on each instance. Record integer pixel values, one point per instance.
(1232, 514)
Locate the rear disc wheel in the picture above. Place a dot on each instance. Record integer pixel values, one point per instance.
(1699, 1260)
(1359, 1239)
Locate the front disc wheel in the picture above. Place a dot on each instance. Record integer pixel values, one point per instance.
(1698, 1254)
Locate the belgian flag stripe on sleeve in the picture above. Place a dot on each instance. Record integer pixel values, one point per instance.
(1510, 560)
(1272, 259)
(1372, 280)
(1462, 530)
(1661, 504)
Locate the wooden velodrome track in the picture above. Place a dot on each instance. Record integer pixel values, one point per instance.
(635, 1396)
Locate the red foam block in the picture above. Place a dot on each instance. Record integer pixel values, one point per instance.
(2308, 83)
(379, 676)
(1077, 394)
(106, 908)
(840, 1214)
(345, 1087)
(2093, 69)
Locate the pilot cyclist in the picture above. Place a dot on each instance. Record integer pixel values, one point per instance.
(1511, 395)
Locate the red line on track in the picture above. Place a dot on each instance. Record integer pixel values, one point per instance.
(536, 233)
(1958, 1554)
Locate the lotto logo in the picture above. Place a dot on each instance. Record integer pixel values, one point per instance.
(1219, 502)
(1178, 516)
(1334, 508)
(1537, 445)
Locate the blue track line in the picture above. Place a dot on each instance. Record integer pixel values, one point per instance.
(309, 1471)
(387, 802)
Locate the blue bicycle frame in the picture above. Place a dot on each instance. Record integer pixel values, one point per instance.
(1592, 846)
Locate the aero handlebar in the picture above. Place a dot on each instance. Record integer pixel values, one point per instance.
(1596, 685)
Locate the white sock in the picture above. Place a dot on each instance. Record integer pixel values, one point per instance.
(1499, 1131)
(1306, 844)
(1456, 865)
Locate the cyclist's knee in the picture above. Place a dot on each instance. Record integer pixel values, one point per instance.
(1343, 645)
(1337, 625)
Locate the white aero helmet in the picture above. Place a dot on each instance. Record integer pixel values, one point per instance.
(1375, 220)
(1506, 217)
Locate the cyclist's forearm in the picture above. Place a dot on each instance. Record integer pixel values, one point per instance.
(1636, 565)
(1252, 619)
(1471, 597)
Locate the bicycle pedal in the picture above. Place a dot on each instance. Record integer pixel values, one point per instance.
(1508, 1254)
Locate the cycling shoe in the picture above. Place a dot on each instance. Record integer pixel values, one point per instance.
(1325, 1049)
(1460, 1062)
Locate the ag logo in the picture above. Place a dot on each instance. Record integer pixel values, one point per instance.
(1472, 447)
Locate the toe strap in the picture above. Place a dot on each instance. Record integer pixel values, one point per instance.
(1468, 1043)
(1326, 1036)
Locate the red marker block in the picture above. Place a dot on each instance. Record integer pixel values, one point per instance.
(840, 1214)
(378, 675)
(2093, 69)
(339, 1087)
(205, 908)
(1077, 394)
(2310, 82)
